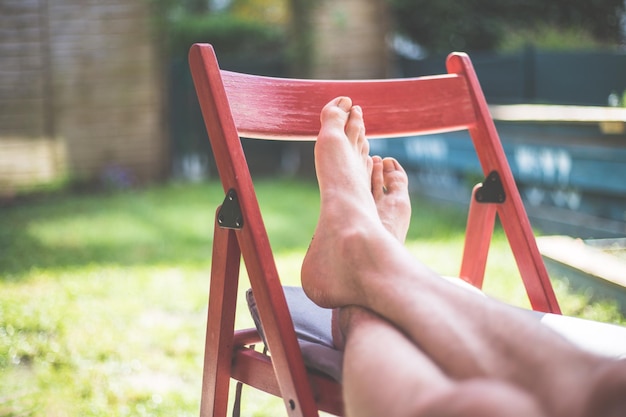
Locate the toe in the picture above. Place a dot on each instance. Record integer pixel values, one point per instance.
(355, 128)
(378, 183)
(336, 112)
(355, 131)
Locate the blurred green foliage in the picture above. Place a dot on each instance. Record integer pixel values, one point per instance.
(283, 28)
(551, 38)
(447, 25)
(240, 29)
(230, 35)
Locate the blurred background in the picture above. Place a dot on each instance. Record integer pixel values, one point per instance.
(98, 93)
(108, 186)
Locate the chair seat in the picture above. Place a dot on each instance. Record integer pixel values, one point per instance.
(600, 338)
(313, 330)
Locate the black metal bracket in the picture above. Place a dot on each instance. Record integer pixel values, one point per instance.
(229, 215)
(491, 190)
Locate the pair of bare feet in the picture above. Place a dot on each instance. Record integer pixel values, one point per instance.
(354, 186)
(357, 262)
(343, 127)
(365, 204)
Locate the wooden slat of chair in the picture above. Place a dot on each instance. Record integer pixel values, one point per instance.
(254, 244)
(511, 211)
(235, 105)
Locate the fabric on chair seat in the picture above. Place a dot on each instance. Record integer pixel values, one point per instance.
(313, 330)
(600, 338)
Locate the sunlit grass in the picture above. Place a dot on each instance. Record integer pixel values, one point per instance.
(103, 297)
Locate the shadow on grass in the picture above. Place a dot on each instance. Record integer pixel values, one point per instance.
(171, 224)
(121, 228)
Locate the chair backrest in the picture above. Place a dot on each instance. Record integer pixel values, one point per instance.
(271, 108)
(237, 105)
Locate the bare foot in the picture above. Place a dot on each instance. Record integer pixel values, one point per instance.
(349, 219)
(390, 188)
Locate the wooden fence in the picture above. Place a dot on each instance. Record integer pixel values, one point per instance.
(81, 92)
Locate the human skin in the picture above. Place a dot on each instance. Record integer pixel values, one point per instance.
(454, 348)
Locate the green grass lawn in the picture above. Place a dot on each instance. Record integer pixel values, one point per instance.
(103, 297)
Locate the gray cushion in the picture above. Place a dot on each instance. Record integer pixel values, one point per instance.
(313, 330)
(600, 338)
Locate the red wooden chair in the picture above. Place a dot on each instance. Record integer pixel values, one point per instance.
(235, 105)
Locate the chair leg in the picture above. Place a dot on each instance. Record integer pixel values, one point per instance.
(480, 223)
(220, 323)
(529, 261)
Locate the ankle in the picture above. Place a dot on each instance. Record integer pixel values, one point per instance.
(352, 318)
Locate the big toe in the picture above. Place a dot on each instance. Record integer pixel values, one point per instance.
(336, 112)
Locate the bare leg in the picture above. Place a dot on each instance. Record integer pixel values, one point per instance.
(374, 347)
(354, 260)
(408, 383)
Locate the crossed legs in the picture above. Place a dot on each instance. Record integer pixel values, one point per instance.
(415, 344)
(385, 374)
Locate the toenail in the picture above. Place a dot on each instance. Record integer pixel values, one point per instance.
(340, 101)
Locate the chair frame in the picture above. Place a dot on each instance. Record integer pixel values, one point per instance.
(238, 105)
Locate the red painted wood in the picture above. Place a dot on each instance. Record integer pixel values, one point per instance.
(270, 108)
(246, 337)
(275, 108)
(255, 248)
(480, 222)
(512, 213)
(255, 369)
(220, 323)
